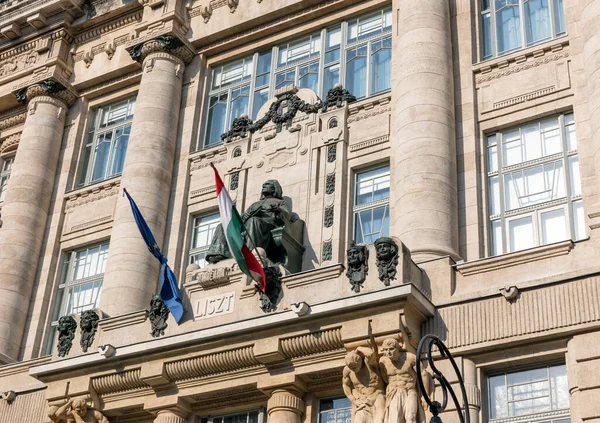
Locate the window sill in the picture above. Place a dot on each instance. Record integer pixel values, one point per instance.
(522, 55)
(549, 415)
(513, 259)
(94, 188)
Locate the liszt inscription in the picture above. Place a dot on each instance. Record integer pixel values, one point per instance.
(215, 305)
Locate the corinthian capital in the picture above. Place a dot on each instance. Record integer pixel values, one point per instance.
(162, 43)
(49, 88)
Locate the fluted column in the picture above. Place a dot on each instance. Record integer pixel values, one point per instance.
(285, 406)
(132, 271)
(423, 162)
(26, 206)
(169, 416)
(590, 31)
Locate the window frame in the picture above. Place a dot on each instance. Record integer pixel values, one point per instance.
(92, 138)
(5, 174)
(195, 251)
(335, 397)
(535, 210)
(524, 44)
(372, 205)
(542, 417)
(261, 418)
(275, 69)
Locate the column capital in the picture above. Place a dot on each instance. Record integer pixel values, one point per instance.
(140, 48)
(48, 88)
(170, 416)
(285, 399)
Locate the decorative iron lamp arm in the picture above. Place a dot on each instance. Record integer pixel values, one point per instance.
(428, 341)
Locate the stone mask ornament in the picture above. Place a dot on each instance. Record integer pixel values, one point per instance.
(358, 266)
(66, 333)
(158, 315)
(387, 259)
(89, 324)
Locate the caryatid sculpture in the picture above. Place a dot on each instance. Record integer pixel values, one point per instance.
(363, 386)
(268, 213)
(75, 411)
(398, 370)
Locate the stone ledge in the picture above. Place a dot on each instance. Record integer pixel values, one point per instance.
(114, 323)
(514, 259)
(312, 276)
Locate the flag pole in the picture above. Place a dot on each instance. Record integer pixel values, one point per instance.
(246, 229)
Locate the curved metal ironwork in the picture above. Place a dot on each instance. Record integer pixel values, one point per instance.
(428, 342)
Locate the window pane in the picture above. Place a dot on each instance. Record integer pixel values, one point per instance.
(239, 103)
(570, 132)
(559, 17)
(559, 388)
(119, 149)
(554, 226)
(531, 141)
(285, 78)
(511, 142)
(579, 220)
(381, 65)
(356, 71)
(575, 175)
(537, 21)
(299, 50)
(260, 98)
(508, 25)
(498, 399)
(487, 35)
(232, 72)
(494, 196)
(331, 76)
(216, 119)
(551, 137)
(496, 241)
(373, 185)
(101, 156)
(520, 232)
(308, 77)
(264, 63)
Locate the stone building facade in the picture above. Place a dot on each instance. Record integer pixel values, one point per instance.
(467, 144)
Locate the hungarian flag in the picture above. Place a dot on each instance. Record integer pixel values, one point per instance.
(233, 228)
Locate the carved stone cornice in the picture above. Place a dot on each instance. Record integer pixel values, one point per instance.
(48, 88)
(9, 142)
(128, 380)
(312, 343)
(163, 43)
(8, 120)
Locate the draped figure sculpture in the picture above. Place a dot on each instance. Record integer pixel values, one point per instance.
(268, 213)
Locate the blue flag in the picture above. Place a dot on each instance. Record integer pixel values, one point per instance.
(167, 287)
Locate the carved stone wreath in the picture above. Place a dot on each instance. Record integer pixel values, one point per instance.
(243, 125)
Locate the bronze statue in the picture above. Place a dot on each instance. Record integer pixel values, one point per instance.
(387, 259)
(269, 213)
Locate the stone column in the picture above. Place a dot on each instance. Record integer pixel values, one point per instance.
(26, 206)
(285, 406)
(583, 361)
(590, 31)
(423, 162)
(169, 416)
(132, 271)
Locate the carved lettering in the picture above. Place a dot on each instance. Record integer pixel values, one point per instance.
(215, 305)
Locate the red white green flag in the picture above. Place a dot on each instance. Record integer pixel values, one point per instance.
(233, 228)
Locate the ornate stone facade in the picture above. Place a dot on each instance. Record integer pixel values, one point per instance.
(398, 142)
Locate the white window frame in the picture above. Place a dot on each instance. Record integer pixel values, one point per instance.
(86, 171)
(196, 223)
(261, 416)
(494, 39)
(499, 171)
(541, 417)
(6, 164)
(275, 69)
(319, 412)
(357, 208)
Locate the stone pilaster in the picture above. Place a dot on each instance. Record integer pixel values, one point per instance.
(285, 406)
(26, 205)
(423, 162)
(132, 272)
(583, 360)
(590, 31)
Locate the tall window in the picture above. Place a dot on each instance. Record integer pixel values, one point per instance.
(335, 410)
(371, 205)
(508, 25)
(534, 186)
(202, 235)
(107, 140)
(80, 282)
(542, 393)
(257, 416)
(5, 169)
(356, 52)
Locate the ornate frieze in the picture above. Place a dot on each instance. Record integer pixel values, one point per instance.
(108, 28)
(17, 63)
(331, 153)
(13, 118)
(89, 195)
